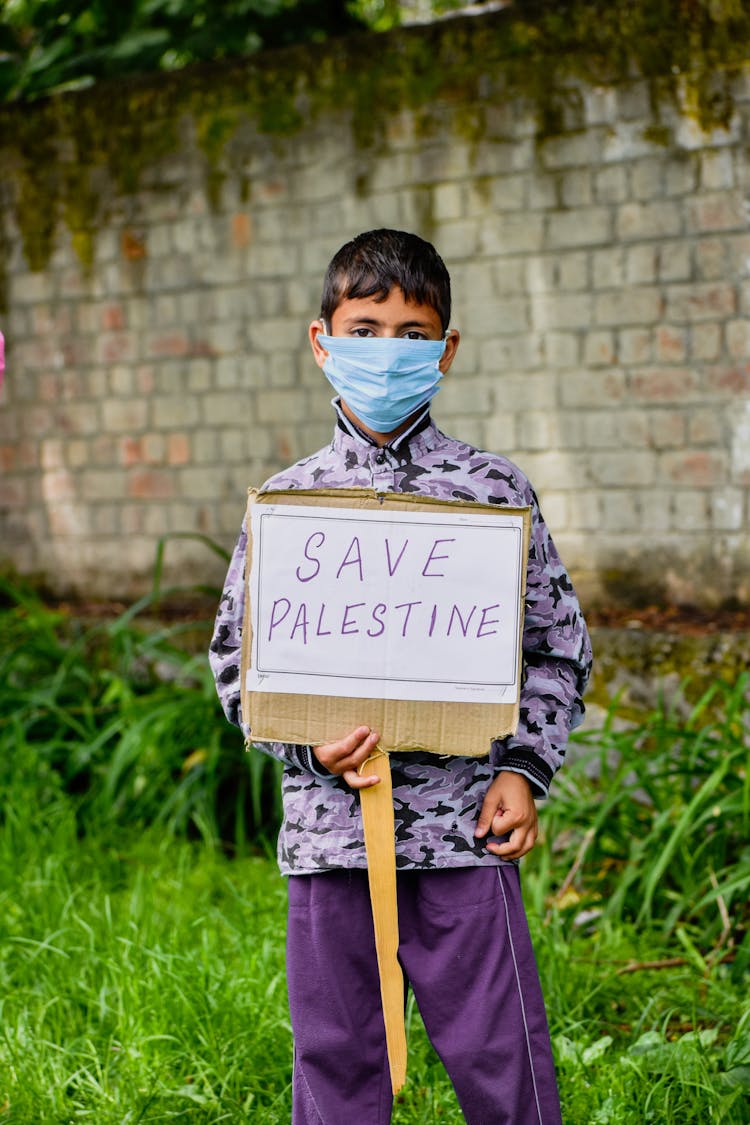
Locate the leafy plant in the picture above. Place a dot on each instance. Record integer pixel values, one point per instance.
(69, 44)
(652, 823)
(126, 719)
(142, 961)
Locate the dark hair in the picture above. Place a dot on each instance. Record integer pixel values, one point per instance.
(376, 261)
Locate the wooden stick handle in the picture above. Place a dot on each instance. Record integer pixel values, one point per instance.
(380, 844)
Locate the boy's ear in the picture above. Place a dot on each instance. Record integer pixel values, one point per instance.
(316, 329)
(452, 341)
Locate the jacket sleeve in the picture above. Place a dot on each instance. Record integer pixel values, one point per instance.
(556, 665)
(224, 656)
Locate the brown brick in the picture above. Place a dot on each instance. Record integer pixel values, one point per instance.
(173, 344)
(695, 467)
(671, 344)
(13, 493)
(131, 451)
(717, 211)
(729, 380)
(113, 318)
(178, 449)
(700, 302)
(149, 484)
(672, 384)
(116, 347)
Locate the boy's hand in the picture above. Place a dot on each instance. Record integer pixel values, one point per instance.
(509, 807)
(345, 756)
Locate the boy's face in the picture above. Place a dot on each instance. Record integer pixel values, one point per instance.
(361, 317)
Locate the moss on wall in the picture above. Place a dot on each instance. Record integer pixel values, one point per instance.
(689, 50)
(641, 667)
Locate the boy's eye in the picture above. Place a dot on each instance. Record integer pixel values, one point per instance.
(363, 332)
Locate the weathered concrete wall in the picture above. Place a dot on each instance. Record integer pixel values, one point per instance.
(157, 296)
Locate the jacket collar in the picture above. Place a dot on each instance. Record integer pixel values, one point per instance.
(421, 437)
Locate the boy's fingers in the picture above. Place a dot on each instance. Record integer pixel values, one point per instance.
(511, 851)
(353, 776)
(504, 821)
(362, 752)
(522, 840)
(355, 741)
(356, 781)
(347, 753)
(498, 822)
(486, 815)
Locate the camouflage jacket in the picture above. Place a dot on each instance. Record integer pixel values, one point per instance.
(436, 799)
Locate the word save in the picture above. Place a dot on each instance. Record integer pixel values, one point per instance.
(359, 600)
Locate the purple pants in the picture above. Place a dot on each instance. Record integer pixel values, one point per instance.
(466, 952)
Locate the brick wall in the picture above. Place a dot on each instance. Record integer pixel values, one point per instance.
(601, 282)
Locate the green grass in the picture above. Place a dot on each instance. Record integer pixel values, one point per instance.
(143, 980)
(142, 916)
(126, 720)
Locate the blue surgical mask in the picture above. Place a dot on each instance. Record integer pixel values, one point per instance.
(383, 379)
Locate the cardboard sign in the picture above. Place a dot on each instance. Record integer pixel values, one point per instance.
(399, 611)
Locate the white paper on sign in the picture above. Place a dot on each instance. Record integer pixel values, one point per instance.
(391, 605)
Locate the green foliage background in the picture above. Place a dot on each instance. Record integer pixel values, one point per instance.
(142, 915)
(56, 45)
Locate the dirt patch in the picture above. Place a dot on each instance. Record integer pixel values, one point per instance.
(687, 620)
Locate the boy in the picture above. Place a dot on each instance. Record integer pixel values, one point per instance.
(384, 342)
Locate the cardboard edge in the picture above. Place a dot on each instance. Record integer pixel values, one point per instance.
(342, 714)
